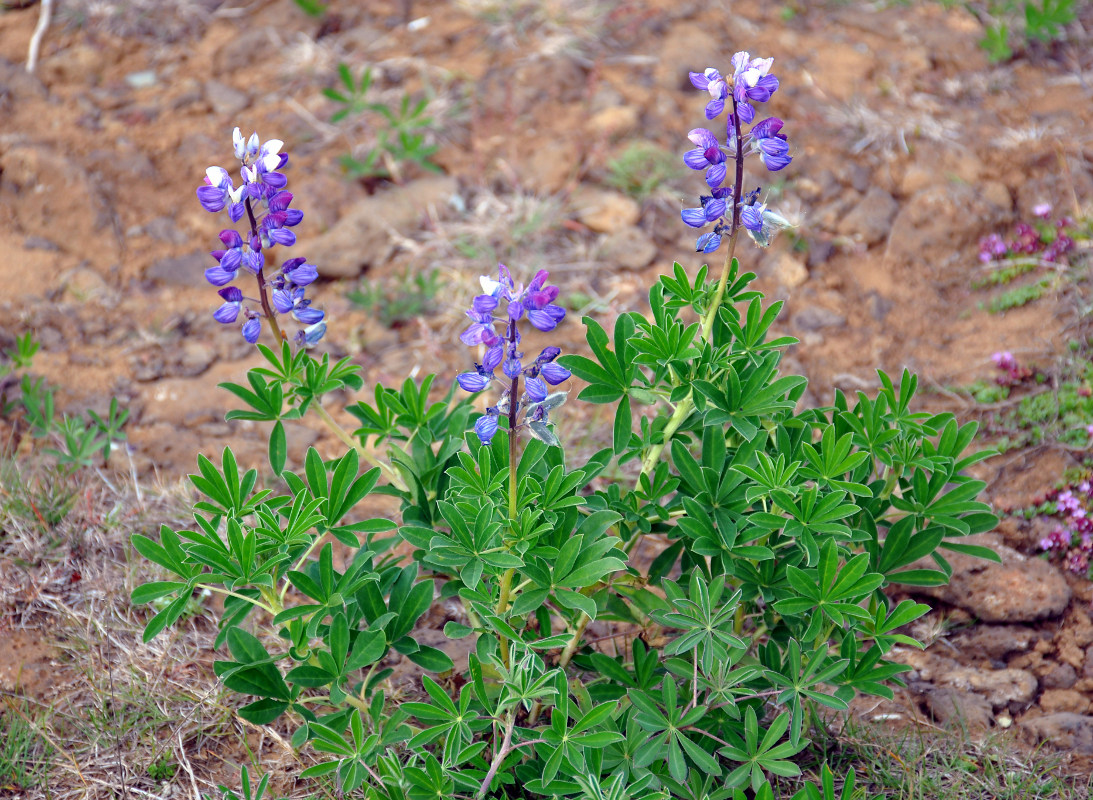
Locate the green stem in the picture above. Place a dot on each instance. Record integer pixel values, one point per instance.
(362, 451)
(229, 593)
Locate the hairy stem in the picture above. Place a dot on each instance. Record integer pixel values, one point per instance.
(499, 756)
(263, 295)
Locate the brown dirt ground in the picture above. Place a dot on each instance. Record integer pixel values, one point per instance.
(890, 108)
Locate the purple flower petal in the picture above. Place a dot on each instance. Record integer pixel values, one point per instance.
(695, 217)
(512, 367)
(702, 138)
(307, 315)
(472, 381)
(485, 428)
(282, 301)
(227, 313)
(715, 175)
(752, 217)
(252, 328)
(476, 334)
(493, 358)
(536, 389)
(554, 373)
(218, 276)
(695, 159)
(708, 242)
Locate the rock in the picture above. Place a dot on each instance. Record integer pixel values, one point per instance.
(629, 248)
(871, 219)
(955, 708)
(1060, 676)
(994, 642)
(1055, 700)
(878, 305)
(361, 238)
(40, 243)
(180, 270)
(84, 283)
(605, 211)
(613, 122)
(930, 229)
(225, 99)
(80, 64)
(1020, 589)
(165, 229)
(819, 252)
(195, 357)
(1000, 686)
(547, 170)
(814, 318)
(788, 270)
(1063, 730)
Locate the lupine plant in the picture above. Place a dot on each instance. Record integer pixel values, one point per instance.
(669, 618)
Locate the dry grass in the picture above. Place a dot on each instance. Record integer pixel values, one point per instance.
(105, 715)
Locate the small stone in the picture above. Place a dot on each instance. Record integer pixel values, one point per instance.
(186, 270)
(819, 252)
(814, 318)
(84, 283)
(362, 237)
(871, 219)
(605, 211)
(225, 99)
(615, 121)
(630, 248)
(955, 708)
(141, 80)
(1062, 730)
(40, 243)
(195, 358)
(788, 270)
(547, 170)
(994, 642)
(165, 230)
(1054, 700)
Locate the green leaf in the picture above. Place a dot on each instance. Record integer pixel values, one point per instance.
(278, 448)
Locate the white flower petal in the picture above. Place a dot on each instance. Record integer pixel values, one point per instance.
(271, 162)
(217, 175)
(272, 147)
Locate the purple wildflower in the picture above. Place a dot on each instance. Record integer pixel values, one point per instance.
(502, 349)
(263, 199)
